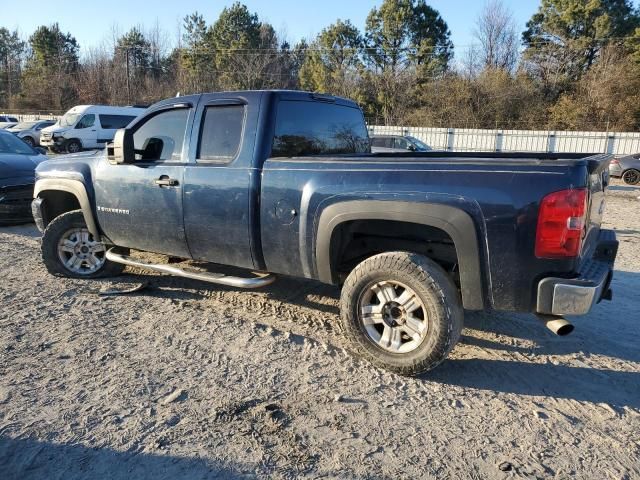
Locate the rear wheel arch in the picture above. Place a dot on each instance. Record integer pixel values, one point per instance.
(58, 195)
(457, 224)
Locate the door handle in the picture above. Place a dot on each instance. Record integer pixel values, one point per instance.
(165, 181)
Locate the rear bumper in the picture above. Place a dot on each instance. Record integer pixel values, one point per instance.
(576, 296)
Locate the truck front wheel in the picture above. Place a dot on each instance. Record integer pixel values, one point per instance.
(69, 249)
(401, 311)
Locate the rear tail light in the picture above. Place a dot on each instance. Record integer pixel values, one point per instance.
(561, 222)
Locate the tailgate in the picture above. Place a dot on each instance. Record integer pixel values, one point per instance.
(598, 170)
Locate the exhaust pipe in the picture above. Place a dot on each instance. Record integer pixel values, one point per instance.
(557, 325)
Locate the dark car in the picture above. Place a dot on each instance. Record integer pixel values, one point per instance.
(282, 182)
(397, 144)
(18, 162)
(627, 168)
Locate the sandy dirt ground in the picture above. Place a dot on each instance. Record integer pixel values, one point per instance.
(189, 380)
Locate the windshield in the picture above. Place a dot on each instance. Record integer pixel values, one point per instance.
(69, 119)
(9, 143)
(419, 143)
(24, 126)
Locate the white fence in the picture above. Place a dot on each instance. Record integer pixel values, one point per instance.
(467, 139)
(477, 140)
(29, 117)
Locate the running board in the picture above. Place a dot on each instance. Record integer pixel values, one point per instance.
(261, 280)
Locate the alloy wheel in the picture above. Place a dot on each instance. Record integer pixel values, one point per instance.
(393, 316)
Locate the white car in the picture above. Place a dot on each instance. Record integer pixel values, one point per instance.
(87, 127)
(29, 132)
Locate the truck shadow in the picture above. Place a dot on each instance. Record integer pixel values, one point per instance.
(30, 459)
(610, 329)
(623, 188)
(514, 367)
(616, 388)
(304, 293)
(27, 230)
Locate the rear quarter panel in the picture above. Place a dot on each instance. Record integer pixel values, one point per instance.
(502, 199)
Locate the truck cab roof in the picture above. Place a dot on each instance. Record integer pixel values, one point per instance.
(253, 94)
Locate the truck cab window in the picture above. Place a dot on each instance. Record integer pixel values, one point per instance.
(220, 133)
(161, 137)
(306, 128)
(86, 121)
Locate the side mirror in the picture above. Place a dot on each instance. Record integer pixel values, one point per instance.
(121, 150)
(412, 147)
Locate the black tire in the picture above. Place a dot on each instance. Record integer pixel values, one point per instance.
(631, 176)
(73, 146)
(29, 141)
(50, 241)
(434, 288)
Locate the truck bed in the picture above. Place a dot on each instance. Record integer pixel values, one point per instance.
(501, 192)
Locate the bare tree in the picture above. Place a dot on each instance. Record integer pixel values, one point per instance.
(496, 32)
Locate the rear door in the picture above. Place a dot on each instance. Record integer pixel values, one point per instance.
(217, 181)
(139, 205)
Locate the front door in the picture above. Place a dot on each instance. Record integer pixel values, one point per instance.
(86, 131)
(139, 205)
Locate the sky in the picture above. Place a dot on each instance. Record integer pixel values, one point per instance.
(91, 21)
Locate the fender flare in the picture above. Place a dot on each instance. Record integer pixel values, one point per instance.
(457, 223)
(76, 188)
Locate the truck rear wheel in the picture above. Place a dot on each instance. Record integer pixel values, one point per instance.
(401, 311)
(69, 249)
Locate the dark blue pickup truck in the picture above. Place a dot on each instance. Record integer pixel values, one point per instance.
(283, 182)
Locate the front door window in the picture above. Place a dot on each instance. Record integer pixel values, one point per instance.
(161, 137)
(86, 121)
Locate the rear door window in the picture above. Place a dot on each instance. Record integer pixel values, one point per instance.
(306, 128)
(220, 133)
(114, 122)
